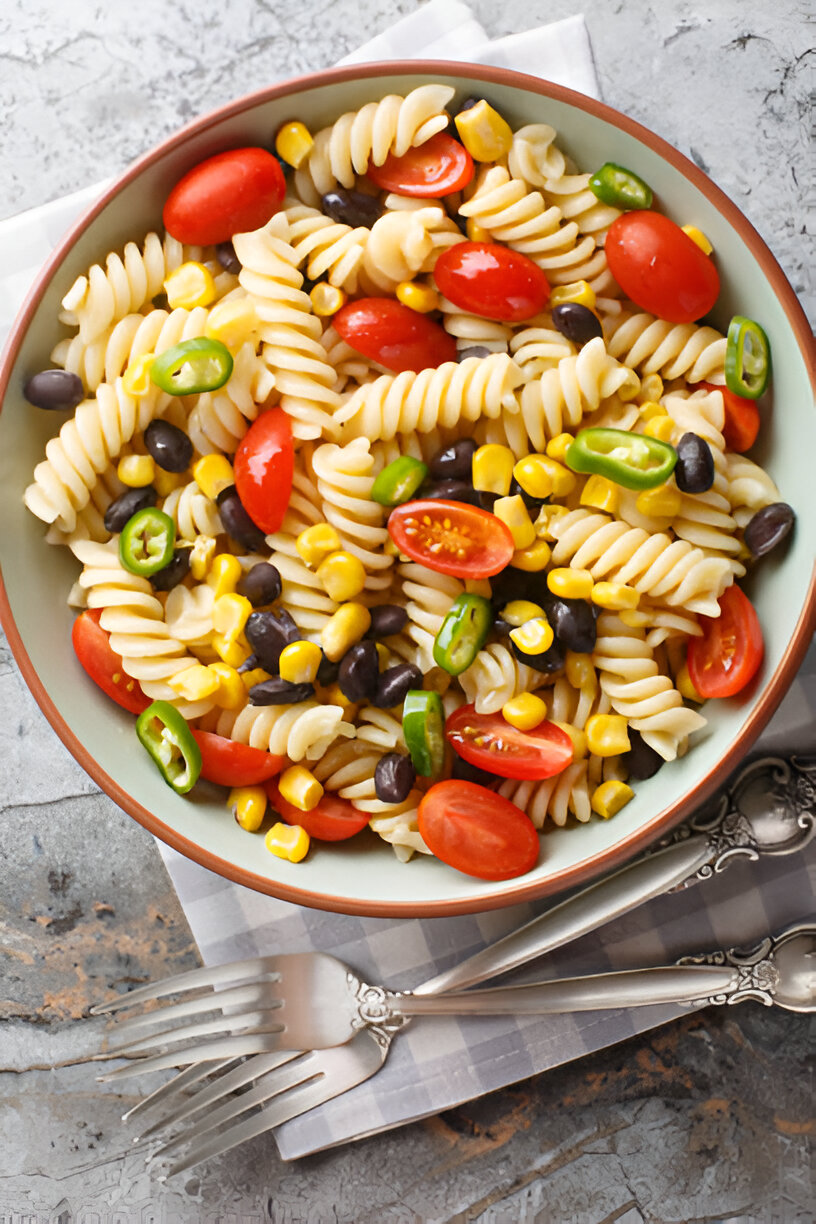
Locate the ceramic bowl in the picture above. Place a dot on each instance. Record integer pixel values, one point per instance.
(363, 876)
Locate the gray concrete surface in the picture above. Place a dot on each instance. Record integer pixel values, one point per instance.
(710, 1119)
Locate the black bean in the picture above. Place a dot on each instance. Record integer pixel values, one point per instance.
(532, 503)
(487, 500)
(467, 104)
(261, 585)
(576, 322)
(454, 462)
(352, 207)
(126, 505)
(551, 660)
(452, 490)
(359, 672)
(279, 692)
(463, 771)
(694, 470)
(386, 620)
(268, 633)
(393, 777)
(57, 390)
(768, 527)
(169, 446)
(501, 627)
(237, 522)
(473, 350)
(174, 572)
(641, 760)
(249, 664)
(327, 672)
(394, 685)
(573, 623)
(510, 584)
(229, 261)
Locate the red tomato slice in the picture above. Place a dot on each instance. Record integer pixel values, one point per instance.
(229, 764)
(477, 831)
(92, 646)
(226, 194)
(728, 655)
(436, 168)
(491, 281)
(333, 819)
(741, 419)
(264, 465)
(660, 268)
(491, 743)
(394, 335)
(451, 537)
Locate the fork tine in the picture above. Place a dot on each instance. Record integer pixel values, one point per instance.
(250, 1022)
(209, 1051)
(185, 1079)
(211, 976)
(253, 994)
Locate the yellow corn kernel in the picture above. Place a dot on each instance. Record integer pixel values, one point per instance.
(557, 446)
(231, 694)
(524, 711)
(533, 559)
(478, 586)
(300, 788)
(513, 513)
(136, 378)
(580, 672)
(136, 471)
(483, 132)
(630, 390)
(165, 482)
(213, 474)
(256, 675)
(570, 583)
(546, 517)
(615, 596)
(230, 614)
(698, 237)
(190, 285)
(349, 624)
(383, 655)
(419, 297)
(334, 695)
(661, 427)
(661, 502)
(476, 232)
(578, 737)
(233, 321)
(343, 576)
(225, 574)
(290, 842)
(578, 291)
(327, 299)
(600, 493)
(543, 476)
(194, 683)
(651, 389)
(232, 651)
(293, 143)
(201, 555)
(534, 636)
(607, 735)
(299, 662)
(315, 543)
(520, 610)
(685, 686)
(651, 409)
(608, 798)
(634, 619)
(248, 806)
(492, 470)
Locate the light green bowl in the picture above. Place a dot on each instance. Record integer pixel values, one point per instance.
(363, 876)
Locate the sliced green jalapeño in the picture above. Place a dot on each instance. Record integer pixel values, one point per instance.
(398, 482)
(632, 460)
(423, 726)
(463, 633)
(146, 542)
(747, 358)
(620, 187)
(165, 735)
(192, 367)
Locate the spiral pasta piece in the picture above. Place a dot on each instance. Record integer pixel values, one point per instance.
(325, 247)
(538, 347)
(672, 350)
(470, 330)
(748, 487)
(406, 242)
(345, 475)
(192, 512)
(428, 597)
(495, 676)
(300, 732)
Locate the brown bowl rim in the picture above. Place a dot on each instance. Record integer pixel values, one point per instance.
(520, 890)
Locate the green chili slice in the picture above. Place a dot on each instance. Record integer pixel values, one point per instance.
(192, 367)
(423, 725)
(146, 542)
(398, 482)
(632, 460)
(463, 633)
(168, 739)
(747, 358)
(620, 187)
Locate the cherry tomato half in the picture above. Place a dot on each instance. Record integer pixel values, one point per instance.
(660, 268)
(741, 419)
(491, 281)
(92, 646)
(451, 537)
(394, 335)
(436, 168)
(226, 194)
(264, 465)
(227, 763)
(491, 743)
(477, 831)
(729, 653)
(334, 819)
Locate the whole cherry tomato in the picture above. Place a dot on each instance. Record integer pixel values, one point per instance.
(660, 268)
(228, 763)
(477, 831)
(264, 465)
(488, 741)
(741, 419)
(394, 335)
(729, 653)
(226, 194)
(451, 537)
(334, 819)
(436, 168)
(492, 281)
(92, 646)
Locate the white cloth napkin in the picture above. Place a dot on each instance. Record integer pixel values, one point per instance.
(438, 1063)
